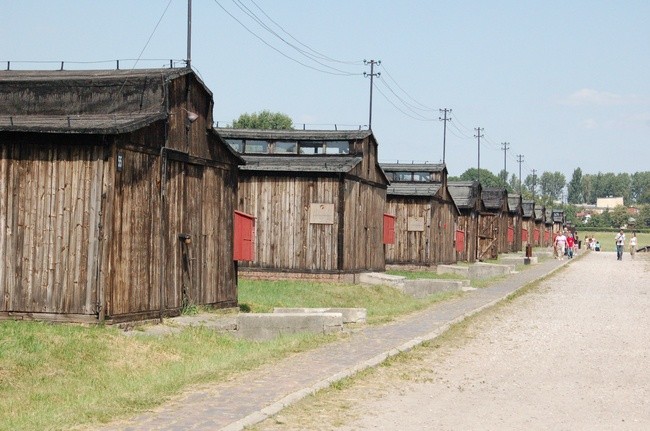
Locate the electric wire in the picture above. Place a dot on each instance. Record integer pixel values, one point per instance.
(261, 39)
(316, 53)
(423, 107)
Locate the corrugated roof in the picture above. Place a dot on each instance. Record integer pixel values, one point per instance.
(413, 167)
(413, 189)
(83, 101)
(281, 163)
(304, 135)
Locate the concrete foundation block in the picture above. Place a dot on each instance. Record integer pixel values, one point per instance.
(482, 270)
(453, 269)
(518, 260)
(349, 315)
(381, 278)
(422, 288)
(266, 326)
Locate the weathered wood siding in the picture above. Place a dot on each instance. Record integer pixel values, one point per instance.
(199, 205)
(443, 230)
(434, 245)
(284, 238)
(363, 229)
(134, 252)
(411, 247)
(50, 213)
(468, 222)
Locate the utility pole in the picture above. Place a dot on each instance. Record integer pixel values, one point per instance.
(479, 136)
(188, 62)
(372, 74)
(520, 159)
(444, 133)
(505, 146)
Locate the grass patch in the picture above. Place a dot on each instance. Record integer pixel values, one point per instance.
(62, 376)
(382, 303)
(66, 376)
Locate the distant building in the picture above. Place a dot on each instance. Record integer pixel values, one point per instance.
(609, 203)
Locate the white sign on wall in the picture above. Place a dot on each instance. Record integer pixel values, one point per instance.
(415, 224)
(321, 213)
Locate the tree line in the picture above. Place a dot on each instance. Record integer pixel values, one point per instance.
(552, 189)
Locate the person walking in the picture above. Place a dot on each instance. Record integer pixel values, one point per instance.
(570, 242)
(620, 244)
(560, 244)
(633, 245)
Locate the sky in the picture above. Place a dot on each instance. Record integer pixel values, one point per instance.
(565, 84)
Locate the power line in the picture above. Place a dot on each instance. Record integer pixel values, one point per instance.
(317, 53)
(520, 159)
(505, 147)
(422, 107)
(279, 51)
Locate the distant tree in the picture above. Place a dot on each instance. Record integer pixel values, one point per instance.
(643, 219)
(574, 195)
(619, 216)
(487, 179)
(503, 176)
(513, 184)
(263, 120)
(551, 185)
(531, 187)
(640, 188)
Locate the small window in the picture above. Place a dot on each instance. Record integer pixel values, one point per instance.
(311, 147)
(402, 176)
(337, 147)
(285, 147)
(254, 146)
(422, 176)
(236, 144)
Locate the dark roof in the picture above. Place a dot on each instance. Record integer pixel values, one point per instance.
(304, 135)
(413, 167)
(513, 202)
(493, 197)
(464, 193)
(324, 163)
(528, 208)
(89, 101)
(413, 189)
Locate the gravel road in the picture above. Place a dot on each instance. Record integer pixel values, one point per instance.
(570, 354)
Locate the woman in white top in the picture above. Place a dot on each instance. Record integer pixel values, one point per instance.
(633, 245)
(560, 244)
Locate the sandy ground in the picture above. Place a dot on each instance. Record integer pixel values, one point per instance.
(570, 354)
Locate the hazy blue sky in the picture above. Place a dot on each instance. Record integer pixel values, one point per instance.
(566, 83)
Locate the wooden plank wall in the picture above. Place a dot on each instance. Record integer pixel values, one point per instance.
(50, 210)
(468, 222)
(135, 228)
(363, 231)
(443, 233)
(411, 247)
(284, 237)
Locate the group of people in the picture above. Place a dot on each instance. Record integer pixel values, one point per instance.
(620, 244)
(565, 244)
(593, 244)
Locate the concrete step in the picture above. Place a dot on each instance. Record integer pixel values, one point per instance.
(349, 315)
(266, 326)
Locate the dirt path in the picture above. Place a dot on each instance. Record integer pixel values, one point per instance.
(573, 353)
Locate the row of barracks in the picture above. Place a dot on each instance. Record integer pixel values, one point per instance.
(119, 201)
